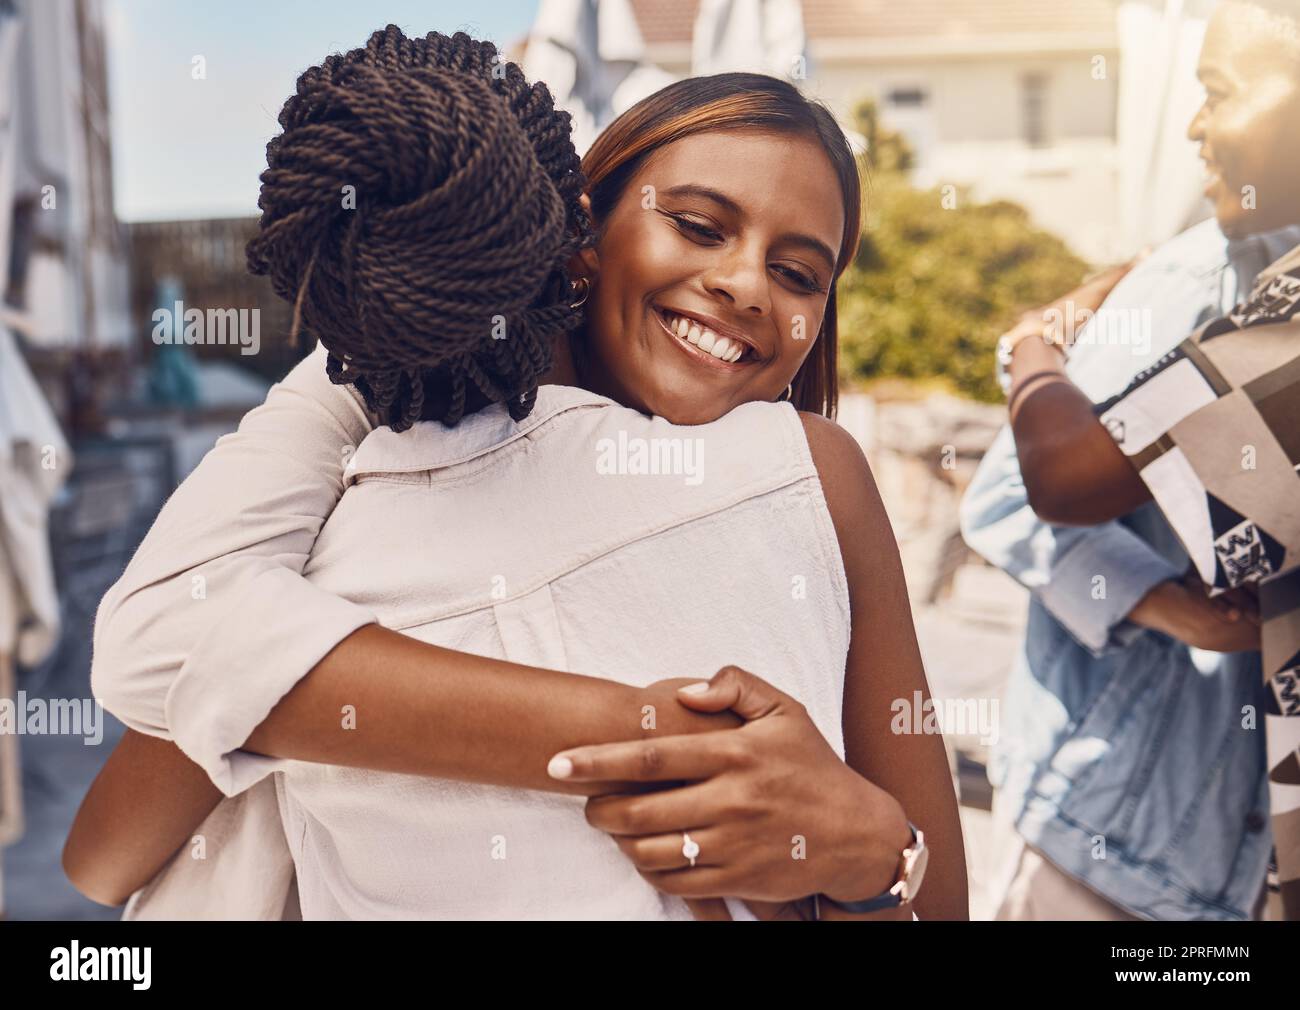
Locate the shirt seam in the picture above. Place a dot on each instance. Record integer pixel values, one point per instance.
(747, 494)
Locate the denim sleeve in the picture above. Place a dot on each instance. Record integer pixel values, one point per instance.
(1088, 578)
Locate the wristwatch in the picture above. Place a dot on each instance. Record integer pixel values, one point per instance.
(910, 874)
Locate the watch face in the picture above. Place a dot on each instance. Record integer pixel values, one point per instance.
(914, 872)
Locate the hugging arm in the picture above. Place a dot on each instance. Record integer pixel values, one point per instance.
(149, 798)
(884, 666)
(146, 802)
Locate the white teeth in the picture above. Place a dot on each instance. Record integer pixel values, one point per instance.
(722, 348)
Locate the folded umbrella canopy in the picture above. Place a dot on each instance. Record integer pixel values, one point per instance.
(592, 57)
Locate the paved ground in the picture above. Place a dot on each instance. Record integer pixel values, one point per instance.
(969, 643)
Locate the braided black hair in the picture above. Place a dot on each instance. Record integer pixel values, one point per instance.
(442, 286)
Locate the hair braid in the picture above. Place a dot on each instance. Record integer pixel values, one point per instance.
(466, 188)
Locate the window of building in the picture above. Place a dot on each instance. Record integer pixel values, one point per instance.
(907, 98)
(1033, 109)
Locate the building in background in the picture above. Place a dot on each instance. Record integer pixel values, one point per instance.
(1024, 100)
(62, 294)
(64, 250)
(85, 461)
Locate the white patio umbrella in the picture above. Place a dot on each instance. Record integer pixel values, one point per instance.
(1160, 178)
(759, 36)
(591, 55)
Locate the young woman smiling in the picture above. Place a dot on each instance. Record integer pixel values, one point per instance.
(725, 209)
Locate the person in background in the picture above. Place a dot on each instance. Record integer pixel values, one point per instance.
(1211, 432)
(1128, 785)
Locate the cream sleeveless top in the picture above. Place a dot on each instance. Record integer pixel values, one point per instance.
(587, 538)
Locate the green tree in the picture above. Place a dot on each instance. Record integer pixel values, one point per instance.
(938, 276)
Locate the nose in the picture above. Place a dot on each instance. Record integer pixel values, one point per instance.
(1196, 128)
(739, 277)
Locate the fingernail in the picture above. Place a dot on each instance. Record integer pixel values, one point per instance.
(560, 767)
(697, 688)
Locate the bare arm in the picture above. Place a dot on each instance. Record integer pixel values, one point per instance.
(149, 798)
(884, 664)
(1074, 472)
(424, 710)
(146, 802)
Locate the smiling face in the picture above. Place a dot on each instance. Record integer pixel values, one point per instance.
(1249, 127)
(711, 284)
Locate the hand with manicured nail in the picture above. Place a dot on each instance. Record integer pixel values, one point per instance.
(747, 797)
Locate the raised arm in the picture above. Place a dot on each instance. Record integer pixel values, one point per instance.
(1074, 473)
(1062, 565)
(1102, 582)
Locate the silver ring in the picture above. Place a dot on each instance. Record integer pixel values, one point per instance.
(690, 847)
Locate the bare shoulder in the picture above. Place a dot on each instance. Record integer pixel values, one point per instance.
(847, 481)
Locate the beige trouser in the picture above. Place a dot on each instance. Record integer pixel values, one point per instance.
(1038, 891)
(1028, 887)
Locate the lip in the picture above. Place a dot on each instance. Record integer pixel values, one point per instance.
(700, 356)
(1213, 177)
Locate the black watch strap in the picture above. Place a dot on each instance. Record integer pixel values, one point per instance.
(880, 901)
(889, 899)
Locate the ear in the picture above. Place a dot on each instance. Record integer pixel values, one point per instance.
(586, 262)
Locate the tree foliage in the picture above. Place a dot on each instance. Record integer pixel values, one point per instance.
(938, 276)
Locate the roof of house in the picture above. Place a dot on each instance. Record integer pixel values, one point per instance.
(672, 20)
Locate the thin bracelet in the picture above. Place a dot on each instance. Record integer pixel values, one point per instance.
(1028, 380)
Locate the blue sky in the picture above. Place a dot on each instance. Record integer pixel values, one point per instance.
(185, 148)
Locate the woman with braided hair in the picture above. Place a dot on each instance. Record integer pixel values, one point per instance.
(438, 536)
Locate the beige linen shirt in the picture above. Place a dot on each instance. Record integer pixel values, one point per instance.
(587, 537)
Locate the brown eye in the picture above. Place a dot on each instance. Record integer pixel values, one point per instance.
(695, 229)
(802, 280)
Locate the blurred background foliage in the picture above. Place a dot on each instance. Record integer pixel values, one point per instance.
(938, 277)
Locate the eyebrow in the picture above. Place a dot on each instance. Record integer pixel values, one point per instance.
(814, 245)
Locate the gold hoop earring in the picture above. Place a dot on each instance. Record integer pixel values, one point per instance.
(586, 290)
(787, 395)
